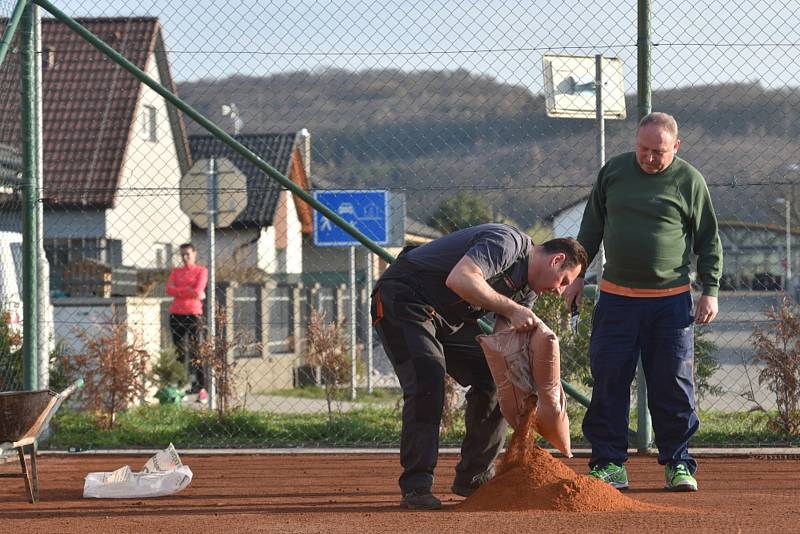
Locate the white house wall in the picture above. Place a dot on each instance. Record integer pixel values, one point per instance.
(267, 257)
(294, 239)
(288, 240)
(275, 249)
(233, 248)
(568, 222)
(73, 316)
(146, 220)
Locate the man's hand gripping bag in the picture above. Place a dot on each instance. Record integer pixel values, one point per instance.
(526, 367)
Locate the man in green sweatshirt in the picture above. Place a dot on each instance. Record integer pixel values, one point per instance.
(652, 211)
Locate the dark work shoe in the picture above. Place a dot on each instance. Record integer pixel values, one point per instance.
(420, 499)
(465, 490)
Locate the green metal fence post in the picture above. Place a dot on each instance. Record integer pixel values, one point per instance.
(29, 190)
(644, 434)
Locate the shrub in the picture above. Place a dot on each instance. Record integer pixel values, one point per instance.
(215, 354)
(462, 210)
(327, 347)
(10, 354)
(168, 371)
(574, 346)
(778, 348)
(113, 365)
(705, 363)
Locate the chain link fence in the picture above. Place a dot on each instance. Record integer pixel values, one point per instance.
(433, 114)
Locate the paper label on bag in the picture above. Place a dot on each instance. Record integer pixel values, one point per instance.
(123, 474)
(166, 460)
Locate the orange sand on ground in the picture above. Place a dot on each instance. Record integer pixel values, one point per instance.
(529, 478)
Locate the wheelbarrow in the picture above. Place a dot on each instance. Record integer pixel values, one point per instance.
(23, 417)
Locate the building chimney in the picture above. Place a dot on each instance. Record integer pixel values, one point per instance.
(303, 142)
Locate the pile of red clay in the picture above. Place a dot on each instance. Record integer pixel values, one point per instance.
(529, 478)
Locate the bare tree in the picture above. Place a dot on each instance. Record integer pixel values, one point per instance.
(327, 347)
(215, 355)
(113, 365)
(778, 347)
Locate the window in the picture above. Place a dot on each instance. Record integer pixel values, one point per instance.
(149, 126)
(247, 321)
(279, 302)
(61, 252)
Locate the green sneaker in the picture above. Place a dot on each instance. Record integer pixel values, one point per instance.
(678, 478)
(613, 474)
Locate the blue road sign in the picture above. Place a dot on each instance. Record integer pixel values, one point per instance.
(367, 211)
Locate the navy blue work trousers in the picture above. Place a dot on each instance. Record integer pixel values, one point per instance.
(660, 329)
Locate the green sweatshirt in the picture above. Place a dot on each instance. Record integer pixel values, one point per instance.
(650, 224)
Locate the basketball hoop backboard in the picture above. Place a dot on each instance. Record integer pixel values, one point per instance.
(569, 87)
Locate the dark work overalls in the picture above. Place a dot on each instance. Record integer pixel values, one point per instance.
(423, 342)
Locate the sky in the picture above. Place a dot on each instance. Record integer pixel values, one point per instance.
(695, 43)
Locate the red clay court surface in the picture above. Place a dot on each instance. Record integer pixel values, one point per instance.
(358, 493)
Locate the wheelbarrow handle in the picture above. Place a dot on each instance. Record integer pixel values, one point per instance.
(59, 399)
(71, 389)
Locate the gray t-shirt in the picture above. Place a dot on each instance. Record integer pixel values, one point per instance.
(493, 247)
(501, 251)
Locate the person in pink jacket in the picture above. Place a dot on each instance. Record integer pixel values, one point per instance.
(187, 284)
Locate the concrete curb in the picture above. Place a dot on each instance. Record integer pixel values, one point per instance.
(767, 452)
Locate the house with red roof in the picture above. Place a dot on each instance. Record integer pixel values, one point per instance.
(114, 151)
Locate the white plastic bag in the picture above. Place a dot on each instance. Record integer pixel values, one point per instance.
(163, 474)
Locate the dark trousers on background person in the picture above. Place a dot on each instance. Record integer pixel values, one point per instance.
(186, 331)
(660, 330)
(422, 347)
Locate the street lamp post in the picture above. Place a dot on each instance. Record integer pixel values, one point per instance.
(788, 273)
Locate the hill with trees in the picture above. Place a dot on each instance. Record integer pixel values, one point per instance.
(434, 134)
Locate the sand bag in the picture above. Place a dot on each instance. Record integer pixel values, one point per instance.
(552, 421)
(163, 474)
(508, 356)
(525, 366)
